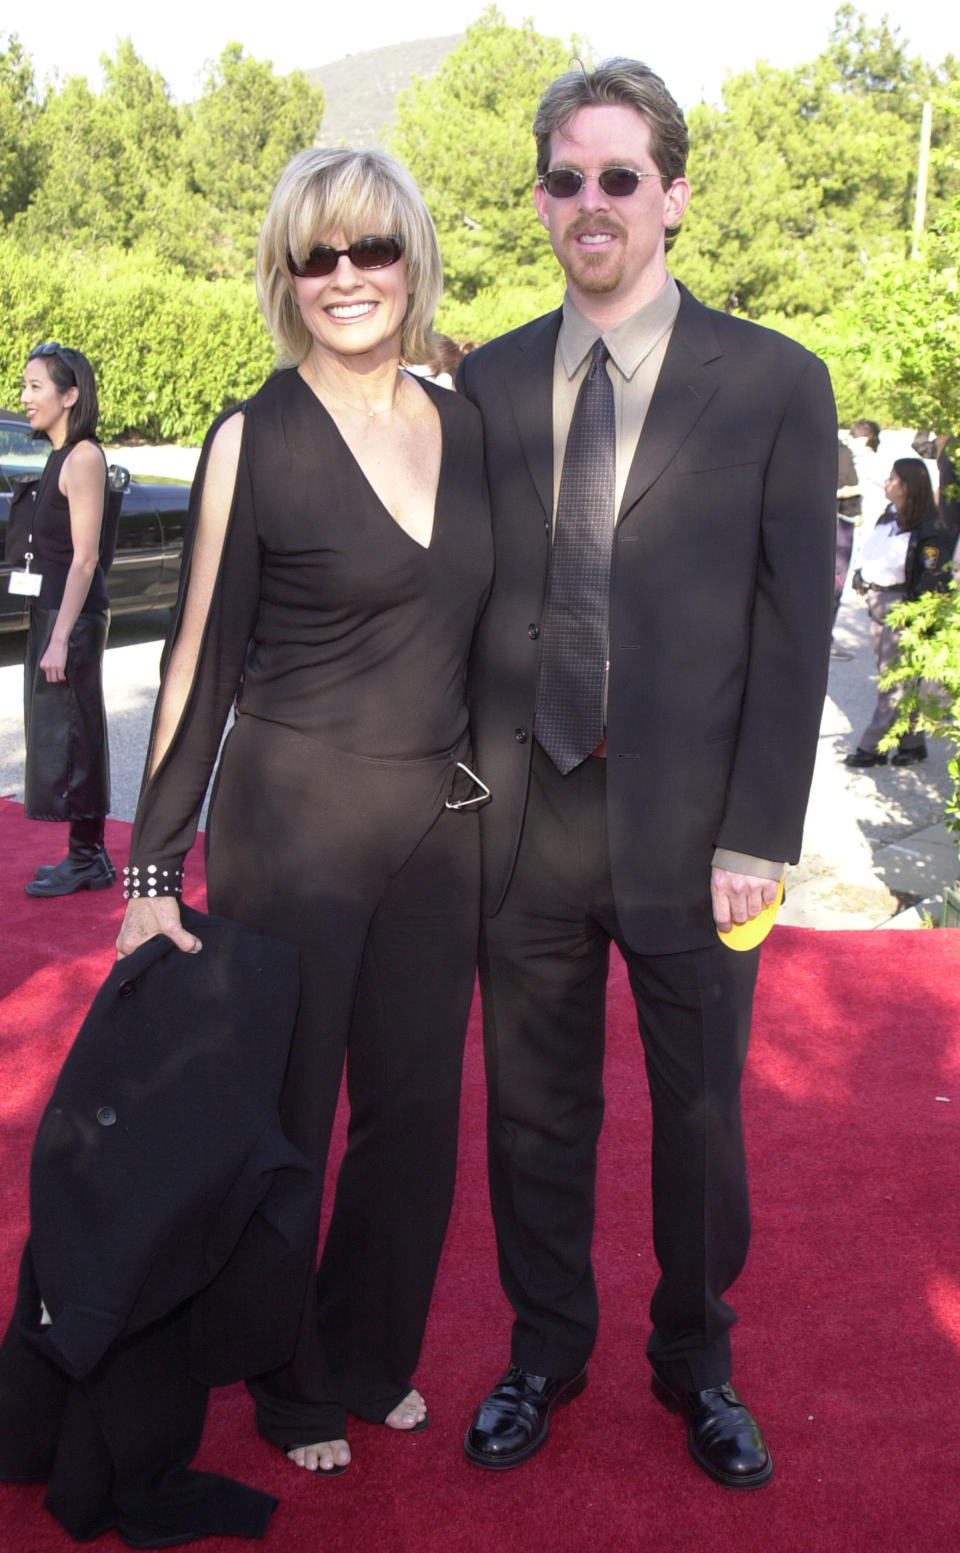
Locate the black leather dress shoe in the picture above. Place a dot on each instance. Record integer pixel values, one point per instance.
(722, 1434)
(514, 1420)
(859, 757)
(911, 757)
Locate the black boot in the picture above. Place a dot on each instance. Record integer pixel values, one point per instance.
(87, 865)
(46, 869)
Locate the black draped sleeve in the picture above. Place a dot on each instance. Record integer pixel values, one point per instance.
(170, 802)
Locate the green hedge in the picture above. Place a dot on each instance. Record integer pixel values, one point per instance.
(170, 352)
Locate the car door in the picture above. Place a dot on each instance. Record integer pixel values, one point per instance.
(173, 502)
(135, 580)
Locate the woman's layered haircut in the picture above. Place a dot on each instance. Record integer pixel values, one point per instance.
(349, 194)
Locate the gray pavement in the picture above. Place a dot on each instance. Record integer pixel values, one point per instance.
(156, 463)
(874, 843)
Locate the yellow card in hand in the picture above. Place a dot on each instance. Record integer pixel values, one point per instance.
(747, 935)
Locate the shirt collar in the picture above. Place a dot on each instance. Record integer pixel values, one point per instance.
(628, 342)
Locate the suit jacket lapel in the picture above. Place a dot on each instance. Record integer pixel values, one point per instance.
(684, 388)
(530, 392)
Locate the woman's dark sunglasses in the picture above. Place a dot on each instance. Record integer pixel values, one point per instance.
(54, 348)
(367, 253)
(562, 183)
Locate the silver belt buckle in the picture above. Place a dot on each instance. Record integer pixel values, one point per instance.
(477, 799)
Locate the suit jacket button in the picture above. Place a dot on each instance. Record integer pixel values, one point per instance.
(533, 632)
(126, 989)
(106, 1116)
(520, 734)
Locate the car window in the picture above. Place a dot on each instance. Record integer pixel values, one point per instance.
(19, 454)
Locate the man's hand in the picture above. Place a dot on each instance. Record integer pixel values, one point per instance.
(739, 897)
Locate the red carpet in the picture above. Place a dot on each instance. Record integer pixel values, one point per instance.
(848, 1346)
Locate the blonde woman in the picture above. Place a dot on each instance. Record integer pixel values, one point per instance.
(340, 556)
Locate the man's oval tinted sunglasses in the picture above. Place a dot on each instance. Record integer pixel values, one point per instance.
(367, 253)
(562, 183)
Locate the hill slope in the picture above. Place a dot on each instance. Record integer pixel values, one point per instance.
(361, 90)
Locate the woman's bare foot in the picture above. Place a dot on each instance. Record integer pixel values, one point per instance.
(409, 1414)
(327, 1456)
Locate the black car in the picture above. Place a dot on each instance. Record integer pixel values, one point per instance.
(146, 564)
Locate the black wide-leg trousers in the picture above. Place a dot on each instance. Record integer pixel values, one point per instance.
(543, 974)
(357, 862)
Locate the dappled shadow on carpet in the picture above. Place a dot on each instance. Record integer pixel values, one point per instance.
(848, 1344)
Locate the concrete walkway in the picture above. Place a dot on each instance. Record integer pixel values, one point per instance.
(874, 842)
(156, 463)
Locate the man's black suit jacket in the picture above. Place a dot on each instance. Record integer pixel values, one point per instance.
(720, 610)
(173, 1236)
(159, 1171)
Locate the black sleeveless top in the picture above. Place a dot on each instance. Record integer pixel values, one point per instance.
(52, 540)
(327, 617)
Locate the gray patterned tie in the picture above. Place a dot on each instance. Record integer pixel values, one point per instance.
(569, 717)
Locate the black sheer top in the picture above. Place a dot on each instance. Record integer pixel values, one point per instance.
(326, 615)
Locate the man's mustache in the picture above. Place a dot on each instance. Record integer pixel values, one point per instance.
(606, 224)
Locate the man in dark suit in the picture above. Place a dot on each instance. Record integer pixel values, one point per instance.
(647, 689)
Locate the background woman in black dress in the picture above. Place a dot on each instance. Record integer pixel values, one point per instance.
(67, 773)
(339, 557)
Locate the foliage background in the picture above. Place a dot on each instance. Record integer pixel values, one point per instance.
(128, 224)
(130, 228)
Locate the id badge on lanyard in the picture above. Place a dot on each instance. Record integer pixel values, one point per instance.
(23, 580)
(26, 582)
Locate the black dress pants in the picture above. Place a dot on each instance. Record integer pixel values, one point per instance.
(543, 973)
(356, 862)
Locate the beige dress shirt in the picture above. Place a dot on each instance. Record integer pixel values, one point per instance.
(637, 347)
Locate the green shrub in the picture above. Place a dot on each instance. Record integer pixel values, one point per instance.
(928, 667)
(170, 351)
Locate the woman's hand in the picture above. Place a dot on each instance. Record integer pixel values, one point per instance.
(54, 662)
(146, 917)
